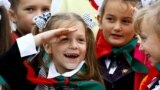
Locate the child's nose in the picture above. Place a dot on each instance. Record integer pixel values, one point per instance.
(117, 26)
(73, 45)
(39, 12)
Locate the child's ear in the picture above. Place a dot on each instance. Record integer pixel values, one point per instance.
(99, 19)
(47, 48)
(12, 15)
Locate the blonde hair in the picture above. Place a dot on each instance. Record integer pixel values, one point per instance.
(152, 14)
(68, 19)
(14, 4)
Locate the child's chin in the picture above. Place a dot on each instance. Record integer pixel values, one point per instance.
(154, 63)
(71, 67)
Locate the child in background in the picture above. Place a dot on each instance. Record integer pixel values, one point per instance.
(117, 49)
(22, 13)
(73, 59)
(147, 25)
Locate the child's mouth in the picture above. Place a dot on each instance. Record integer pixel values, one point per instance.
(71, 55)
(116, 36)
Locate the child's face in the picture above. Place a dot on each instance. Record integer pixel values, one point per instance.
(70, 50)
(117, 23)
(26, 10)
(150, 42)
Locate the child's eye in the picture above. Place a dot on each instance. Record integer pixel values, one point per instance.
(29, 9)
(126, 21)
(81, 40)
(64, 39)
(110, 19)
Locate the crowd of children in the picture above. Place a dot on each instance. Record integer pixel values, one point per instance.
(115, 60)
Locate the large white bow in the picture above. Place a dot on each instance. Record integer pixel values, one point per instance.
(5, 3)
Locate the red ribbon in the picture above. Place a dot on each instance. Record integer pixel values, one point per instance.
(93, 3)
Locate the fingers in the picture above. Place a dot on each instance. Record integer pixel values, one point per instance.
(65, 31)
(56, 34)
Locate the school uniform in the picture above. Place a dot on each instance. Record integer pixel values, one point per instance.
(123, 68)
(52, 80)
(21, 76)
(11, 62)
(152, 79)
(26, 80)
(4, 84)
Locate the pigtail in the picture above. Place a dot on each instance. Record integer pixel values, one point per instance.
(5, 33)
(91, 61)
(35, 30)
(40, 24)
(92, 66)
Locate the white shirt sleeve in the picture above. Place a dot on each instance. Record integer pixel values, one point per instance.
(26, 45)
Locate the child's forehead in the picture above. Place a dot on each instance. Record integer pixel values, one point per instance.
(68, 23)
(35, 2)
(120, 9)
(72, 24)
(118, 4)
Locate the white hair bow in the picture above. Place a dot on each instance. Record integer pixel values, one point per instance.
(89, 21)
(42, 20)
(5, 3)
(147, 2)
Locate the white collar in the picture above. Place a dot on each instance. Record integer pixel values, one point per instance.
(53, 72)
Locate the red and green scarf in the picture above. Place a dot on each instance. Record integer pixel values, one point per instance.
(137, 61)
(46, 84)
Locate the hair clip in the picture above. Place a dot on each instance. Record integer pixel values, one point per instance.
(147, 2)
(87, 19)
(42, 20)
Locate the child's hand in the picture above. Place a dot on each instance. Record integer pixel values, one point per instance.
(52, 36)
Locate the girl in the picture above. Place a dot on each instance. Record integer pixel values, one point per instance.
(73, 60)
(117, 49)
(19, 52)
(28, 9)
(147, 25)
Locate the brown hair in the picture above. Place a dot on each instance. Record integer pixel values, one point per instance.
(92, 71)
(127, 2)
(150, 13)
(14, 4)
(5, 33)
